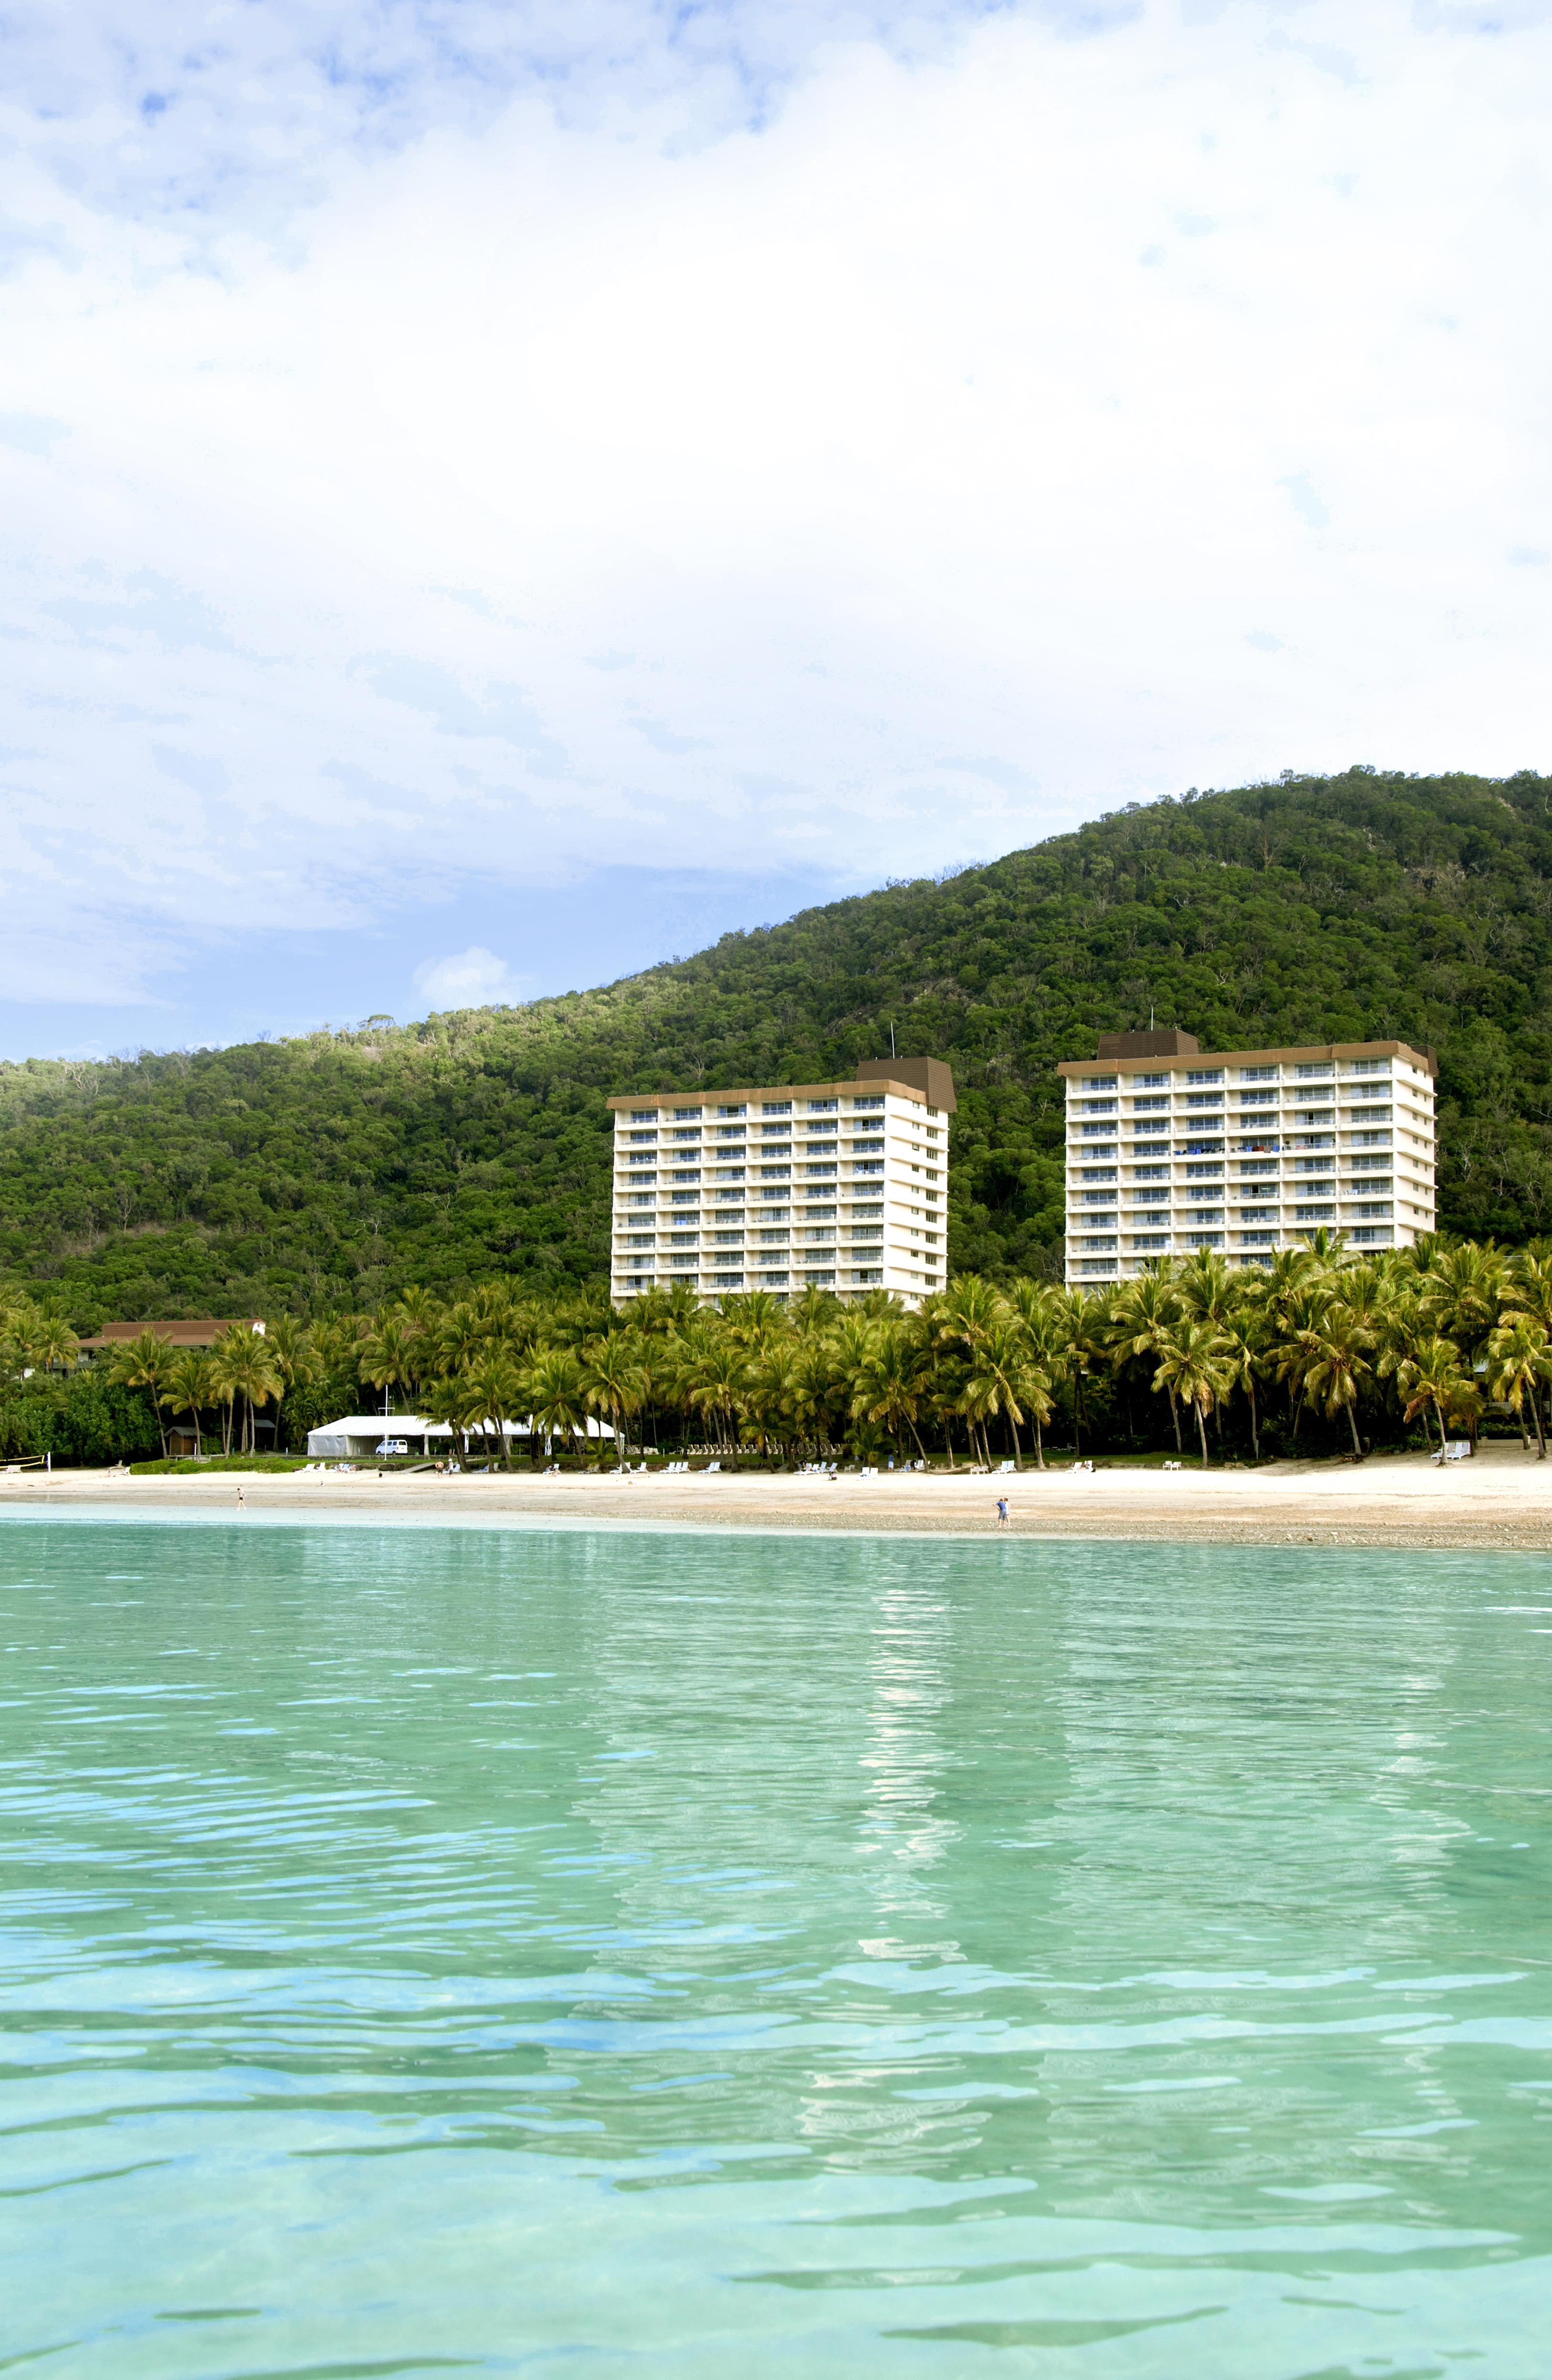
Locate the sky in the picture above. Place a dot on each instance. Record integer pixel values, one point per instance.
(497, 496)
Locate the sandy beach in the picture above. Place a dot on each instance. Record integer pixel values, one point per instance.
(1502, 1498)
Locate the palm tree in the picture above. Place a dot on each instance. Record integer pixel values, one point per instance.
(888, 1386)
(290, 1348)
(1461, 1292)
(144, 1362)
(1431, 1380)
(494, 1391)
(1337, 1365)
(553, 1393)
(613, 1384)
(1194, 1366)
(716, 1382)
(1518, 1363)
(1142, 1319)
(1244, 1352)
(243, 1366)
(391, 1357)
(191, 1389)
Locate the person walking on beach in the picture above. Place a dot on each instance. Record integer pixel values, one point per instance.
(240, 1495)
(1003, 1516)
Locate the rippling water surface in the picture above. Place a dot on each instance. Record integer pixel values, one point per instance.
(693, 1955)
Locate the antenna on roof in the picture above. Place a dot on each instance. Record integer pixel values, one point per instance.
(1149, 1020)
(891, 1040)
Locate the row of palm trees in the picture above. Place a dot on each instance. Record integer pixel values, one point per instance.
(1434, 1335)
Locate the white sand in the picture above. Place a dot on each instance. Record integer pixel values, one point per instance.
(1502, 1498)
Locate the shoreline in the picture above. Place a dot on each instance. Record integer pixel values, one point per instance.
(1500, 1501)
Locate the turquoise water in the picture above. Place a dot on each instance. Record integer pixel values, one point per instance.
(690, 1955)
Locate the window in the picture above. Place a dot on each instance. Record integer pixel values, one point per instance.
(1092, 1266)
(871, 1101)
(641, 1239)
(1370, 1065)
(1308, 1074)
(1203, 1099)
(636, 1137)
(775, 1173)
(1204, 1172)
(643, 1198)
(860, 1211)
(685, 1115)
(684, 1239)
(1207, 1074)
(1103, 1198)
(1259, 1073)
(1370, 1234)
(1249, 1165)
(1143, 1240)
(867, 1231)
(1099, 1082)
(728, 1281)
(775, 1131)
(775, 1107)
(1204, 1239)
(1150, 1198)
(644, 1115)
(1370, 1208)
(772, 1280)
(1257, 1098)
(1098, 1173)
(873, 1274)
(731, 1130)
(1148, 1106)
(1258, 1239)
(819, 1279)
(1097, 1131)
(1371, 1140)
(1091, 1242)
(1314, 1214)
(686, 1132)
(823, 1106)
(1144, 1173)
(735, 1111)
(1152, 1082)
(1151, 1149)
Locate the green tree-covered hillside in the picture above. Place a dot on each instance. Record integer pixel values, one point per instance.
(335, 1170)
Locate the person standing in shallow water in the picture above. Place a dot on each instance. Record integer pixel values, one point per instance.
(1003, 1515)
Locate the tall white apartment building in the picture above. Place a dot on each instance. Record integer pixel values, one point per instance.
(841, 1186)
(1171, 1148)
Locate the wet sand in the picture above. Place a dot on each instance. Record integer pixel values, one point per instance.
(1502, 1499)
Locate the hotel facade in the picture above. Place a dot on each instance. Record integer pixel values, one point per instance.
(1171, 1148)
(840, 1186)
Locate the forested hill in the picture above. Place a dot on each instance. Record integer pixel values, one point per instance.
(330, 1170)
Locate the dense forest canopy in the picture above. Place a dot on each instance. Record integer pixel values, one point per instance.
(331, 1171)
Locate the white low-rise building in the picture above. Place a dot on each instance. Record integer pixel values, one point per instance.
(361, 1438)
(841, 1186)
(1171, 1148)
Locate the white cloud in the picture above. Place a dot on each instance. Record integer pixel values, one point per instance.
(470, 978)
(613, 482)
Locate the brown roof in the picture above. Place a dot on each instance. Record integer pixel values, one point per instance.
(201, 1332)
(929, 1081)
(1426, 1059)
